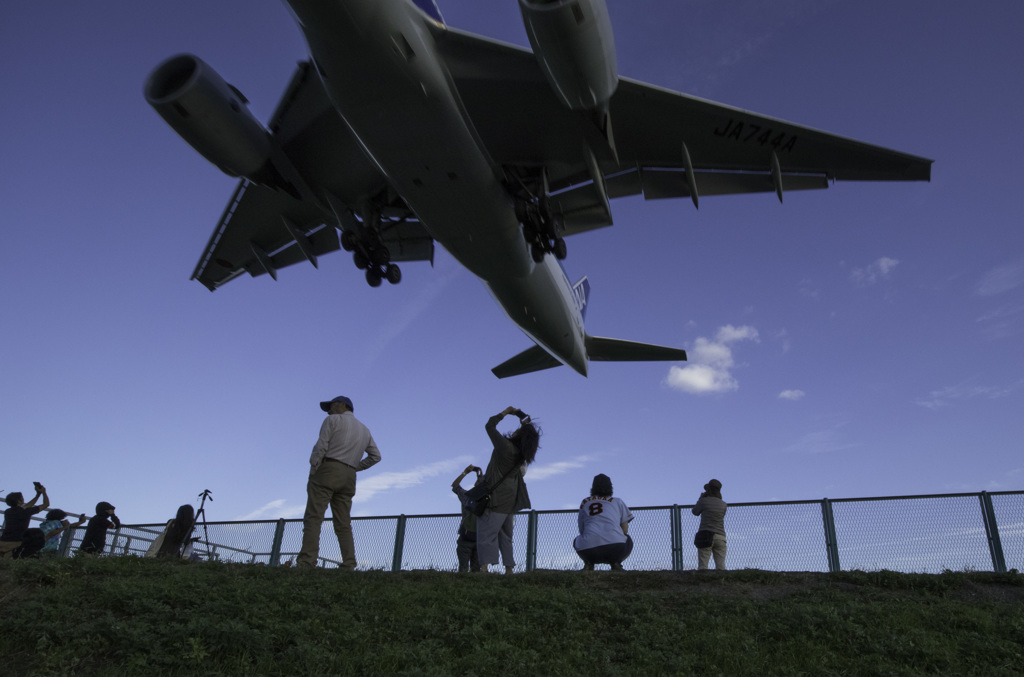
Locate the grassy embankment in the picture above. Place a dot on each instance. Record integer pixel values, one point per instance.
(131, 616)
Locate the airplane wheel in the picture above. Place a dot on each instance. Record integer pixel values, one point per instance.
(373, 277)
(360, 260)
(380, 256)
(348, 240)
(393, 274)
(560, 249)
(537, 252)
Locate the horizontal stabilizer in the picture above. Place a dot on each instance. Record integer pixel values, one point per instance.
(531, 359)
(602, 349)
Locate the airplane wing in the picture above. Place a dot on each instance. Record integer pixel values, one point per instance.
(668, 144)
(263, 229)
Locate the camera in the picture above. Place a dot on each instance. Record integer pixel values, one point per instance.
(39, 487)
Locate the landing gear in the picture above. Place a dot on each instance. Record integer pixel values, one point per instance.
(541, 229)
(559, 249)
(377, 264)
(380, 255)
(537, 252)
(363, 238)
(393, 274)
(349, 241)
(542, 236)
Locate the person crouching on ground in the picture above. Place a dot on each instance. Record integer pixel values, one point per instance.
(56, 524)
(511, 455)
(710, 537)
(604, 527)
(95, 538)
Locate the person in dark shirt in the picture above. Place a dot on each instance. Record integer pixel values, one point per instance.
(96, 530)
(465, 547)
(17, 516)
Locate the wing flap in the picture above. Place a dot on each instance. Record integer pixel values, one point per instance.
(522, 123)
(661, 184)
(530, 360)
(602, 349)
(258, 231)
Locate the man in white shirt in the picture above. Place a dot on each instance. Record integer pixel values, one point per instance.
(603, 523)
(337, 457)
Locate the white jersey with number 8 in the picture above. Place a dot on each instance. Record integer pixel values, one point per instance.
(600, 522)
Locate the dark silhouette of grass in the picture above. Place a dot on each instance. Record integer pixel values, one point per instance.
(131, 616)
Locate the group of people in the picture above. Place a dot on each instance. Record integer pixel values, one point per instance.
(485, 536)
(19, 540)
(345, 446)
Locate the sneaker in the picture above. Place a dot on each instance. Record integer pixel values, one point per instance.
(617, 567)
(588, 567)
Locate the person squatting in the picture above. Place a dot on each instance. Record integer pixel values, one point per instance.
(603, 523)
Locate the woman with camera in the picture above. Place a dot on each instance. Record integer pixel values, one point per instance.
(17, 517)
(504, 475)
(710, 537)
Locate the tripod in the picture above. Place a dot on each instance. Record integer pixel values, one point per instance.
(202, 511)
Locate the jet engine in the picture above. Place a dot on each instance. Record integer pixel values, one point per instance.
(213, 117)
(572, 40)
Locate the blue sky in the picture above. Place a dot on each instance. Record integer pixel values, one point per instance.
(859, 341)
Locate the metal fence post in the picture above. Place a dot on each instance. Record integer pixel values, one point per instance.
(396, 563)
(531, 541)
(676, 529)
(995, 546)
(831, 546)
(275, 549)
(65, 542)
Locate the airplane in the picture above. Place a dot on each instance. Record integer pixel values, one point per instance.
(401, 131)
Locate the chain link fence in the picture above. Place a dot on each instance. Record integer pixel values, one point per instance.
(928, 534)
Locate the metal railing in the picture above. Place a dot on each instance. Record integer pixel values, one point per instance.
(976, 531)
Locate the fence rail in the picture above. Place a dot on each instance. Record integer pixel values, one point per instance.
(931, 533)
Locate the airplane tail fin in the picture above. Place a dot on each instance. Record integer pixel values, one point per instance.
(431, 9)
(581, 292)
(599, 349)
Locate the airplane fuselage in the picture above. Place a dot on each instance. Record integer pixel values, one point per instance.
(378, 63)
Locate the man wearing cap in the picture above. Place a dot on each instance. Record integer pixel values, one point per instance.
(337, 457)
(95, 538)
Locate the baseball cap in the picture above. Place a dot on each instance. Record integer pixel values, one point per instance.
(326, 406)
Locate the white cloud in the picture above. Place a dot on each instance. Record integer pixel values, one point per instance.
(1001, 279)
(710, 361)
(277, 509)
(808, 288)
(782, 336)
(1002, 322)
(946, 397)
(388, 481)
(542, 472)
(874, 272)
(792, 395)
(730, 334)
